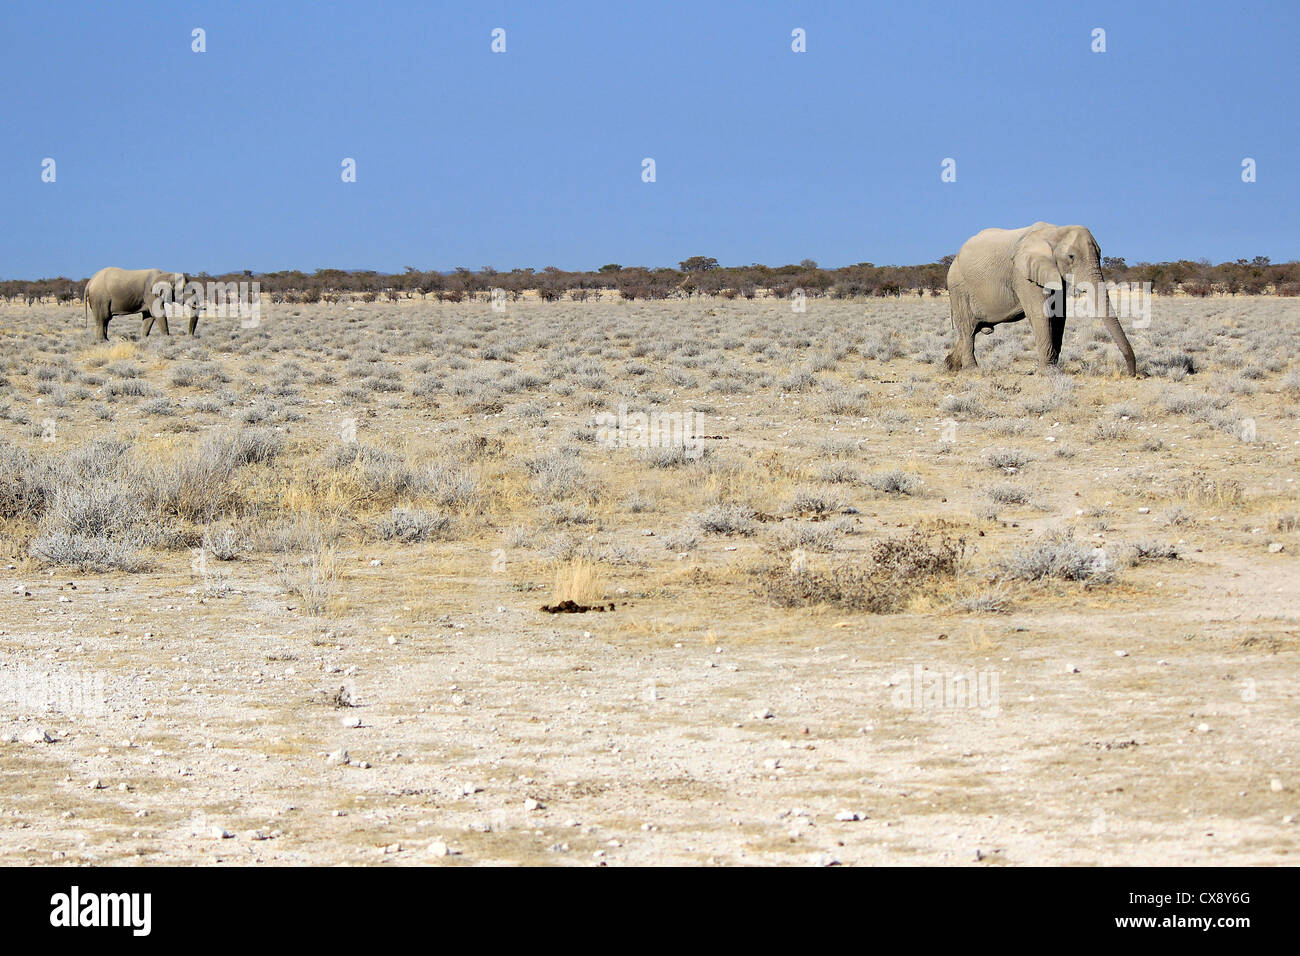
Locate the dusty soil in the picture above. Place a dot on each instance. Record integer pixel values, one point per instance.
(1147, 720)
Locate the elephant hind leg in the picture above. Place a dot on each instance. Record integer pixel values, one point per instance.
(99, 317)
(964, 327)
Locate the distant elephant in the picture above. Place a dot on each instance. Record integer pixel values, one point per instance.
(1005, 275)
(114, 291)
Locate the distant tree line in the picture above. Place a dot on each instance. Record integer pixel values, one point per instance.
(697, 275)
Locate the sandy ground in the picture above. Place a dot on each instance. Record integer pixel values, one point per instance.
(433, 715)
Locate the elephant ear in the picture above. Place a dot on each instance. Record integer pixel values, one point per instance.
(1034, 260)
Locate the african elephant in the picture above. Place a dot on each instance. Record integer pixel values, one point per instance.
(1005, 275)
(114, 291)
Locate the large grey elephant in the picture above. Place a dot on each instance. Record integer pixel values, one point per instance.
(114, 291)
(1005, 275)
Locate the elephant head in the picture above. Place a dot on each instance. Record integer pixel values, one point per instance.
(1064, 256)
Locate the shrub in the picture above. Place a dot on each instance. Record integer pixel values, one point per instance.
(87, 554)
(809, 537)
(968, 405)
(726, 519)
(893, 482)
(22, 488)
(1009, 495)
(896, 571)
(409, 526)
(1056, 554)
(1007, 458)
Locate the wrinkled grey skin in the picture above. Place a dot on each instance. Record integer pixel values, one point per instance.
(1004, 275)
(114, 291)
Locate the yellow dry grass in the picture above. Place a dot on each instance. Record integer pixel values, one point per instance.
(116, 352)
(580, 581)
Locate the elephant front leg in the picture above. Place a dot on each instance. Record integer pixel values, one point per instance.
(1039, 304)
(1058, 337)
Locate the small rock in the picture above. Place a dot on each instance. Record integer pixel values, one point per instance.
(1276, 786)
(849, 816)
(438, 848)
(1121, 653)
(531, 804)
(1202, 728)
(350, 721)
(1276, 547)
(338, 758)
(220, 833)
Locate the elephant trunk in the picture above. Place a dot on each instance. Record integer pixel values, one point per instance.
(1111, 322)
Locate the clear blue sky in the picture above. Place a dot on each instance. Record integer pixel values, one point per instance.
(230, 159)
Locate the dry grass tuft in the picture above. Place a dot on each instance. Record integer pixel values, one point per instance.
(580, 581)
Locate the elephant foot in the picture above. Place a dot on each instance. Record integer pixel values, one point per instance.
(955, 363)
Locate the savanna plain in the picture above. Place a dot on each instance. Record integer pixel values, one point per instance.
(275, 594)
